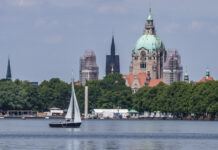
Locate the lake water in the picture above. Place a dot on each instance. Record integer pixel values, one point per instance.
(35, 134)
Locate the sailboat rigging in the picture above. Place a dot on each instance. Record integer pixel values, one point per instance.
(69, 121)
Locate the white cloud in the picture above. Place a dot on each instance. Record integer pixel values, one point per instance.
(70, 3)
(59, 3)
(108, 9)
(41, 22)
(214, 30)
(137, 26)
(53, 39)
(197, 25)
(25, 3)
(171, 28)
(204, 27)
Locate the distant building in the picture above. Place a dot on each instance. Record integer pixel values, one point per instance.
(186, 77)
(20, 113)
(172, 70)
(133, 114)
(54, 111)
(34, 84)
(110, 113)
(8, 74)
(207, 77)
(150, 63)
(140, 80)
(88, 67)
(149, 53)
(112, 60)
(157, 114)
(77, 83)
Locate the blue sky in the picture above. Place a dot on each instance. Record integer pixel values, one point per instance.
(46, 38)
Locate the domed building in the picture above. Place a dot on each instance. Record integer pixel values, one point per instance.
(149, 53)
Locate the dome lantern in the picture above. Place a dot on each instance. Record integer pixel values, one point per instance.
(149, 16)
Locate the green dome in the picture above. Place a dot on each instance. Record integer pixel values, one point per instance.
(149, 42)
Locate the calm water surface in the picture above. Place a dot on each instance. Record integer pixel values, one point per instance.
(35, 134)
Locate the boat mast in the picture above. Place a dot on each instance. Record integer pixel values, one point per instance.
(73, 111)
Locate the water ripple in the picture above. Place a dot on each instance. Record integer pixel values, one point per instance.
(188, 136)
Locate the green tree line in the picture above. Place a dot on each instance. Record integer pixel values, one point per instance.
(180, 98)
(110, 92)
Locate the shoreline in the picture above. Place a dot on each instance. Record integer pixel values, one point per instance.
(29, 117)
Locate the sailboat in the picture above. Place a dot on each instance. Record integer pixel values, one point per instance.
(69, 121)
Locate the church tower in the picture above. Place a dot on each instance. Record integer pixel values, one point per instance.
(112, 60)
(149, 53)
(172, 69)
(207, 74)
(8, 74)
(88, 67)
(186, 77)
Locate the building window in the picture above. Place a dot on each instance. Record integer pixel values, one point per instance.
(143, 65)
(134, 90)
(143, 54)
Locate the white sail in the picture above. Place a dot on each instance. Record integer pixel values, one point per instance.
(76, 111)
(70, 109)
(77, 118)
(73, 100)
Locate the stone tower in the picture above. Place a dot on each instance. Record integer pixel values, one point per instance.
(186, 77)
(149, 53)
(88, 67)
(173, 69)
(207, 74)
(112, 60)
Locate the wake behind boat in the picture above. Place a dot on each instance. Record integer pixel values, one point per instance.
(69, 121)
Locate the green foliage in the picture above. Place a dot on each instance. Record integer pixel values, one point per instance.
(19, 95)
(110, 92)
(180, 98)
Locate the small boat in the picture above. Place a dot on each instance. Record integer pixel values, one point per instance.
(46, 117)
(69, 121)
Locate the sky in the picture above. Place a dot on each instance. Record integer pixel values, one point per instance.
(46, 38)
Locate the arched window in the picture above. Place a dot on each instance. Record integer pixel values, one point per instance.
(143, 65)
(143, 54)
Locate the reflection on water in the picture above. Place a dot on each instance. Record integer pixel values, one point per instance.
(109, 134)
(93, 144)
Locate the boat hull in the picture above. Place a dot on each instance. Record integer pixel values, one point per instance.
(65, 125)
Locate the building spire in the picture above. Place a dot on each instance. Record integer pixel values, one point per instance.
(149, 15)
(112, 46)
(186, 77)
(149, 26)
(207, 73)
(8, 74)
